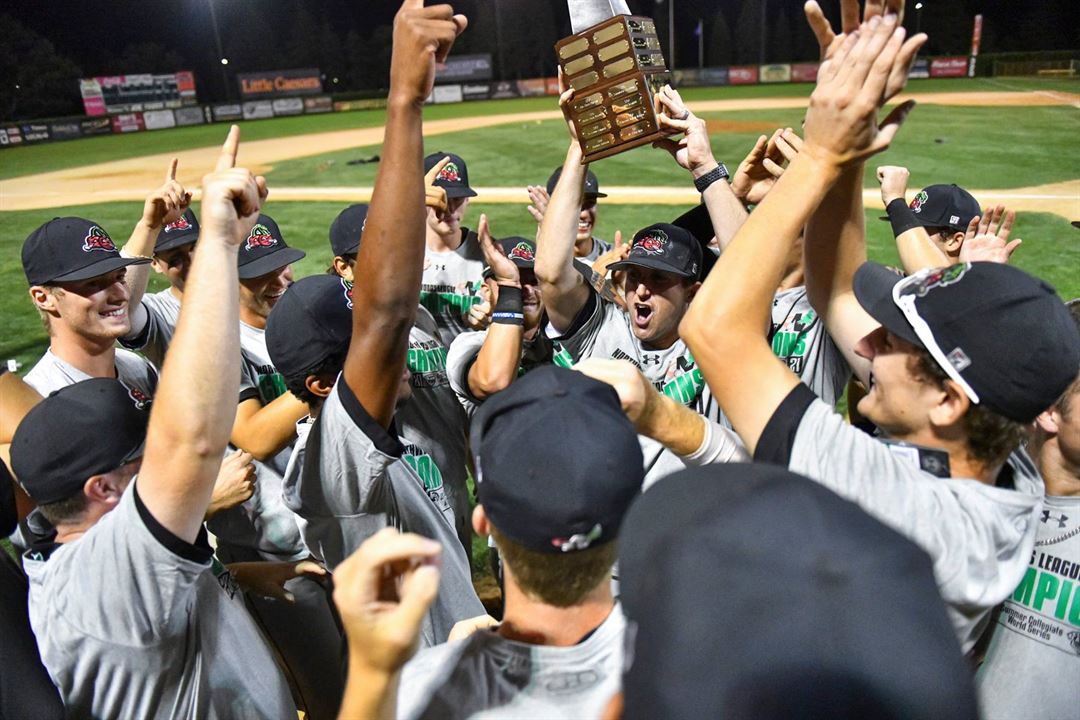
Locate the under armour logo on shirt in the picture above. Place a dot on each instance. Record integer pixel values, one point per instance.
(1061, 519)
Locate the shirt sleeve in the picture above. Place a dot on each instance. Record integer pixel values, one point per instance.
(459, 361)
(580, 337)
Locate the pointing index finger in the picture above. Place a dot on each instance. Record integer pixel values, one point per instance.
(171, 175)
(227, 159)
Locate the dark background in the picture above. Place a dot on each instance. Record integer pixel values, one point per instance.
(45, 46)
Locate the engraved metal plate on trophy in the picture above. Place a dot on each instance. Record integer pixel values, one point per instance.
(616, 68)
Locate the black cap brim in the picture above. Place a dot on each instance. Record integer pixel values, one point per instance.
(270, 262)
(595, 195)
(175, 242)
(873, 289)
(101, 267)
(459, 192)
(652, 264)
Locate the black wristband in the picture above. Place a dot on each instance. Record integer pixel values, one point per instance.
(508, 308)
(901, 217)
(717, 173)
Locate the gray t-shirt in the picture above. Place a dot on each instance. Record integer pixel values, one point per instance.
(978, 536)
(1032, 665)
(799, 338)
(136, 374)
(486, 676)
(350, 478)
(133, 622)
(434, 420)
(451, 285)
(153, 325)
(599, 247)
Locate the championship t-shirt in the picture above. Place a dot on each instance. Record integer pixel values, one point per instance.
(978, 536)
(798, 337)
(599, 247)
(133, 622)
(350, 478)
(136, 374)
(156, 318)
(1032, 665)
(451, 284)
(485, 676)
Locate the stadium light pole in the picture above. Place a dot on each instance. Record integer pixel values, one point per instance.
(671, 32)
(221, 53)
(918, 17)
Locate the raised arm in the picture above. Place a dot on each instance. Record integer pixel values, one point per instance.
(913, 243)
(733, 305)
(497, 362)
(196, 399)
(562, 287)
(390, 264)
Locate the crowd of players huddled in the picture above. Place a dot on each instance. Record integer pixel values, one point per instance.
(260, 503)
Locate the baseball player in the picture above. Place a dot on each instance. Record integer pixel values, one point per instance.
(432, 419)
(129, 613)
(586, 246)
(951, 394)
(453, 262)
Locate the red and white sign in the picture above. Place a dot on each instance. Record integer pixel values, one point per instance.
(804, 72)
(130, 122)
(948, 67)
(743, 75)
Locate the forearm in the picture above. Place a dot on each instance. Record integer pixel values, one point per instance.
(558, 231)
(675, 426)
(369, 694)
(726, 211)
(917, 250)
(497, 363)
(272, 427)
(835, 242)
(140, 244)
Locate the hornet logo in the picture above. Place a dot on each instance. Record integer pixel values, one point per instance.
(181, 224)
(653, 243)
(523, 252)
(260, 237)
(138, 397)
(580, 541)
(449, 173)
(347, 287)
(941, 277)
(918, 201)
(98, 239)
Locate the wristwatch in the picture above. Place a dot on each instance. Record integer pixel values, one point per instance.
(702, 183)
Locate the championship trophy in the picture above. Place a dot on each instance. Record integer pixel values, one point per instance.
(613, 62)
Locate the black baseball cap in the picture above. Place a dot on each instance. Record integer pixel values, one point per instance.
(264, 250)
(1003, 335)
(697, 222)
(948, 206)
(561, 491)
(592, 185)
(309, 323)
(664, 247)
(86, 429)
(68, 249)
(182, 232)
(521, 251)
(454, 178)
(346, 229)
(753, 592)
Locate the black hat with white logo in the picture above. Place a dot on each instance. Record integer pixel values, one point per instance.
(68, 249)
(264, 250)
(311, 322)
(182, 232)
(664, 247)
(346, 230)
(454, 177)
(592, 185)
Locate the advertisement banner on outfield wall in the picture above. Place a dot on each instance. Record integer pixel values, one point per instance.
(321, 104)
(504, 89)
(920, 69)
(804, 72)
(368, 104)
(159, 119)
(288, 106)
(533, 87)
(464, 68)
(743, 75)
(66, 130)
(948, 67)
(10, 136)
(189, 116)
(35, 132)
(775, 73)
(475, 91)
(258, 110)
(447, 94)
(714, 76)
(96, 126)
(551, 86)
(687, 77)
(131, 93)
(227, 112)
(280, 83)
(128, 122)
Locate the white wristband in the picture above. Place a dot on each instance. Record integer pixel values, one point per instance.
(719, 445)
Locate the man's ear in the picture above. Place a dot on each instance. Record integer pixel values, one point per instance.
(480, 522)
(949, 411)
(692, 291)
(320, 386)
(43, 299)
(953, 242)
(104, 489)
(1049, 421)
(343, 268)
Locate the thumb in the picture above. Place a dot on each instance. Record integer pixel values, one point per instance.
(1012, 246)
(618, 239)
(891, 125)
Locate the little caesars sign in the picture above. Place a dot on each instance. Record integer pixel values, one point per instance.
(280, 83)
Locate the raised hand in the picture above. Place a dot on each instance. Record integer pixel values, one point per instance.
(231, 197)
(619, 251)
(235, 482)
(987, 237)
(435, 196)
(894, 182)
(382, 592)
(764, 164)
(841, 122)
(636, 394)
(566, 96)
(538, 199)
(503, 268)
(422, 37)
(168, 202)
(693, 151)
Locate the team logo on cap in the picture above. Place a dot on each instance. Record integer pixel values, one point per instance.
(260, 237)
(347, 287)
(653, 243)
(941, 277)
(449, 173)
(918, 201)
(138, 397)
(522, 252)
(98, 239)
(579, 541)
(181, 224)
